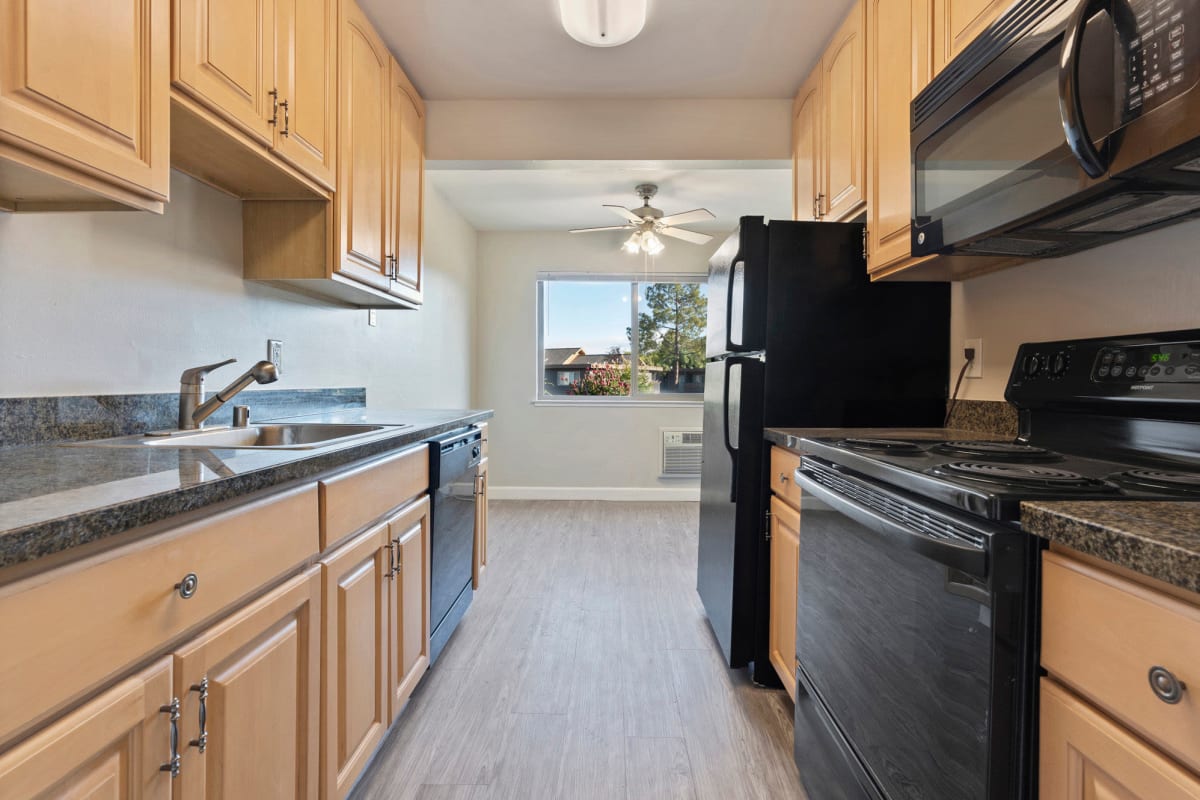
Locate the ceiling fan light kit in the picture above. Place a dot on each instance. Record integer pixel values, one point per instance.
(648, 222)
(603, 23)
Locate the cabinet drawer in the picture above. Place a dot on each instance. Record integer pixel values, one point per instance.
(783, 464)
(363, 494)
(1103, 634)
(69, 629)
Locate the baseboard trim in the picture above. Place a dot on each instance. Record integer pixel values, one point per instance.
(664, 494)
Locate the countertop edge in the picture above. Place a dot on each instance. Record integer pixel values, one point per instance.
(42, 539)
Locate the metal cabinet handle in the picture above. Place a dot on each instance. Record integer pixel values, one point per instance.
(391, 561)
(187, 587)
(1166, 686)
(274, 120)
(286, 121)
(201, 743)
(820, 198)
(172, 765)
(396, 569)
(783, 477)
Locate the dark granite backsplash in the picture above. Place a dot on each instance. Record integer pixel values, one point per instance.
(986, 416)
(28, 421)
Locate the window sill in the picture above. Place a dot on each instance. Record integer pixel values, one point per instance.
(602, 403)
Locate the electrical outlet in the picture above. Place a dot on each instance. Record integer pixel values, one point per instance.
(372, 320)
(976, 368)
(275, 354)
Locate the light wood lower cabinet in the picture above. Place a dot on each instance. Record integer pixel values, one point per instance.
(481, 523)
(408, 600)
(260, 670)
(1086, 756)
(84, 104)
(112, 746)
(356, 582)
(785, 565)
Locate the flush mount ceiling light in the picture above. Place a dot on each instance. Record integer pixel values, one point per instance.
(603, 23)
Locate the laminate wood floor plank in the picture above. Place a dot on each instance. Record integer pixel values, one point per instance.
(585, 669)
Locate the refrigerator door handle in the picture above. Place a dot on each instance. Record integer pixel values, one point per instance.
(730, 361)
(733, 270)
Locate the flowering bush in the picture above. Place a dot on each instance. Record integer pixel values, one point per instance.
(609, 378)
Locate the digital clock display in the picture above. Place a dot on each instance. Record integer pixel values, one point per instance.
(1160, 358)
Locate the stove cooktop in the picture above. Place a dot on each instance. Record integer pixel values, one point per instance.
(990, 478)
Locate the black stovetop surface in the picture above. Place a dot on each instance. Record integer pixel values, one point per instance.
(990, 479)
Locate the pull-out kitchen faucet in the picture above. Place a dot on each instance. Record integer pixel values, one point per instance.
(194, 409)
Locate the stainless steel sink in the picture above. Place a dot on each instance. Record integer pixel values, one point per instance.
(297, 436)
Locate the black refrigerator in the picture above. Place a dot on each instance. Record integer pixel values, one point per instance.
(797, 337)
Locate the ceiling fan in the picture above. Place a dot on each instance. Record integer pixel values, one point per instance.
(647, 222)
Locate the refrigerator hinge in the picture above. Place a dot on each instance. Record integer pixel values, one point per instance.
(767, 525)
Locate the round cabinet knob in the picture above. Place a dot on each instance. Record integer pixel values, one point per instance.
(1060, 363)
(783, 478)
(187, 586)
(1166, 686)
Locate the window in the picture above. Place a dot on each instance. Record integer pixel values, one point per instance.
(621, 336)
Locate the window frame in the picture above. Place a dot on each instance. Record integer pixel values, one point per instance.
(634, 398)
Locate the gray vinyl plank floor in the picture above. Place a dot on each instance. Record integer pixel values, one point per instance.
(585, 669)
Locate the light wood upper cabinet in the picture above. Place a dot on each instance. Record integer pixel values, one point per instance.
(785, 565)
(957, 22)
(405, 194)
(84, 104)
(306, 72)
(263, 672)
(409, 603)
(110, 747)
(1085, 756)
(481, 521)
(843, 125)
(224, 56)
(898, 34)
(806, 150)
(356, 582)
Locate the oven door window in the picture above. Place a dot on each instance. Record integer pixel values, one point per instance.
(899, 649)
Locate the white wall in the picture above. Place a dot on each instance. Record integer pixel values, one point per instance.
(122, 302)
(1139, 285)
(555, 451)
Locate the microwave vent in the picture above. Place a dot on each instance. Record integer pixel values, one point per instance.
(1011, 246)
(1141, 216)
(1094, 211)
(1189, 166)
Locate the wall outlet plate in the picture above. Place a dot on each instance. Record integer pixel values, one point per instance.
(275, 354)
(976, 368)
(372, 319)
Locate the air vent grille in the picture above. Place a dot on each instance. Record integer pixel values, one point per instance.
(1010, 246)
(907, 514)
(682, 451)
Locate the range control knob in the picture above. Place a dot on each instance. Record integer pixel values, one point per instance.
(1033, 365)
(1059, 364)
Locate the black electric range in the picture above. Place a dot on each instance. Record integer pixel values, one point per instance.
(917, 604)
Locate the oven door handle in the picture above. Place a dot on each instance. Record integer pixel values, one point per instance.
(969, 559)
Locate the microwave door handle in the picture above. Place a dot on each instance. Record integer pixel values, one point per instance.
(968, 559)
(1070, 101)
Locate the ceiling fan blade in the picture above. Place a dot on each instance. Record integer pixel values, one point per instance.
(606, 228)
(625, 214)
(686, 235)
(683, 218)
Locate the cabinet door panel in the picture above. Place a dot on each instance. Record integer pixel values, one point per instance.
(844, 141)
(481, 522)
(408, 178)
(355, 581)
(85, 84)
(806, 149)
(263, 708)
(785, 553)
(409, 606)
(225, 58)
(110, 747)
(363, 160)
(957, 22)
(1086, 756)
(306, 49)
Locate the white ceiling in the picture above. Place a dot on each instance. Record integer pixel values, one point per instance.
(558, 199)
(517, 49)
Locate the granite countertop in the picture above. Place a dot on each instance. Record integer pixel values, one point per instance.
(55, 497)
(1159, 539)
(789, 437)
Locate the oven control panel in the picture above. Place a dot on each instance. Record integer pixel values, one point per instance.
(1160, 54)
(1145, 368)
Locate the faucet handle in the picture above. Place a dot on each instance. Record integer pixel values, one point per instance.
(195, 375)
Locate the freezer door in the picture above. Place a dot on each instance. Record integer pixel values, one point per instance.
(737, 291)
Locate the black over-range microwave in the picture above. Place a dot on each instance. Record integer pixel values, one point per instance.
(1065, 125)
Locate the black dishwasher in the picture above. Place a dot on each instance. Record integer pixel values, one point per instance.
(453, 458)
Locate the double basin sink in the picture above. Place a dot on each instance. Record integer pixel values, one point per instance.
(296, 436)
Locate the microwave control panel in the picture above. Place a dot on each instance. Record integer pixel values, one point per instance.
(1162, 59)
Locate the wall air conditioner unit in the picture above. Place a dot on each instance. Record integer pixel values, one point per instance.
(681, 452)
